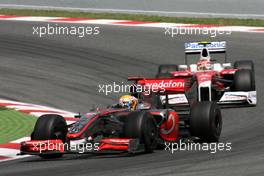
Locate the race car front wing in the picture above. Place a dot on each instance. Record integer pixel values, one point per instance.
(228, 98)
(240, 97)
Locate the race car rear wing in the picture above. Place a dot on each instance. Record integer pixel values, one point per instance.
(213, 47)
(165, 87)
(154, 88)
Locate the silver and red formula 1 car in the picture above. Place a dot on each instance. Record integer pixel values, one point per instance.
(124, 130)
(228, 84)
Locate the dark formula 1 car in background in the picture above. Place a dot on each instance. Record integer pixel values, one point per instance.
(227, 84)
(122, 129)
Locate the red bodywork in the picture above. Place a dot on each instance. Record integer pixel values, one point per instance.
(207, 75)
(42, 146)
(177, 84)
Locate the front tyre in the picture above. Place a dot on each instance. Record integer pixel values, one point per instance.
(50, 126)
(206, 121)
(244, 81)
(141, 125)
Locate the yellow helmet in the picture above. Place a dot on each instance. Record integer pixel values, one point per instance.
(128, 101)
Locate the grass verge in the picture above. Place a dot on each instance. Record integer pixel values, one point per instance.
(58, 13)
(14, 125)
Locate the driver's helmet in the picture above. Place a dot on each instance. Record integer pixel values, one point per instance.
(128, 101)
(203, 64)
(204, 61)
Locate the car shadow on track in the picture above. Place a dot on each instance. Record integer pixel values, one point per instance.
(68, 157)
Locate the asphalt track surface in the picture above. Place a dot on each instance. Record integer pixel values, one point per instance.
(190, 8)
(64, 72)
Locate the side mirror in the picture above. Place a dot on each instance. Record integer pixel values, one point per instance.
(227, 65)
(193, 68)
(183, 67)
(78, 115)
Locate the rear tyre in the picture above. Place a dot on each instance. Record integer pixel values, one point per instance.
(244, 64)
(50, 126)
(244, 81)
(142, 126)
(206, 121)
(164, 70)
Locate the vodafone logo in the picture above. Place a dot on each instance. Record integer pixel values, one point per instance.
(166, 84)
